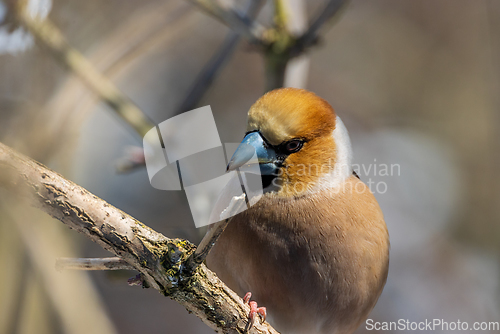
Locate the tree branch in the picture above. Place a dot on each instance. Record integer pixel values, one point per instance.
(244, 26)
(207, 243)
(160, 260)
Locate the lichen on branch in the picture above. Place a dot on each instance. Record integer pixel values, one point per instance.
(160, 260)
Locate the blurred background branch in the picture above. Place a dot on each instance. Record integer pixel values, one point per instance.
(51, 37)
(109, 263)
(237, 22)
(281, 47)
(310, 37)
(217, 61)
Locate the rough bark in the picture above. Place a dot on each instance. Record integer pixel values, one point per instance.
(159, 259)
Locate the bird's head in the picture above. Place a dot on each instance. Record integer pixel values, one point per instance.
(301, 145)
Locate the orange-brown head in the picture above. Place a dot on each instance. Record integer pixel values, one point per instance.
(299, 140)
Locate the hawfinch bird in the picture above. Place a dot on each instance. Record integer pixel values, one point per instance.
(314, 250)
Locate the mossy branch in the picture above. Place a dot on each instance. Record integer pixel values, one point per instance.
(160, 260)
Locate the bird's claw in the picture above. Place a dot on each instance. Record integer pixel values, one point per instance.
(254, 309)
(247, 297)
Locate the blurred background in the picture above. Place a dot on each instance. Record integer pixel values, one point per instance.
(417, 84)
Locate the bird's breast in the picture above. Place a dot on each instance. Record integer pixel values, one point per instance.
(317, 260)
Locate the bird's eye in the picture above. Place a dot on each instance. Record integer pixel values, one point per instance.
(293, 146)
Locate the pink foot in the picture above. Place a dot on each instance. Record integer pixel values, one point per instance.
(254, 309)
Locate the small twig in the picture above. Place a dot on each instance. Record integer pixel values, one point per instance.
(43, 242)
(244, 26)
(51, 37)
(133, 159)
(207, 243)
(216, 230)
(109, 263)
(311, 35)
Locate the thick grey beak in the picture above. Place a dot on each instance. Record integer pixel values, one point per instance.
(253, 143)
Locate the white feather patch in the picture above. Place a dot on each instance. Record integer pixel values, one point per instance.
(343, 166)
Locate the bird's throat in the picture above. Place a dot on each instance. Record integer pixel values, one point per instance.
(267, 180)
